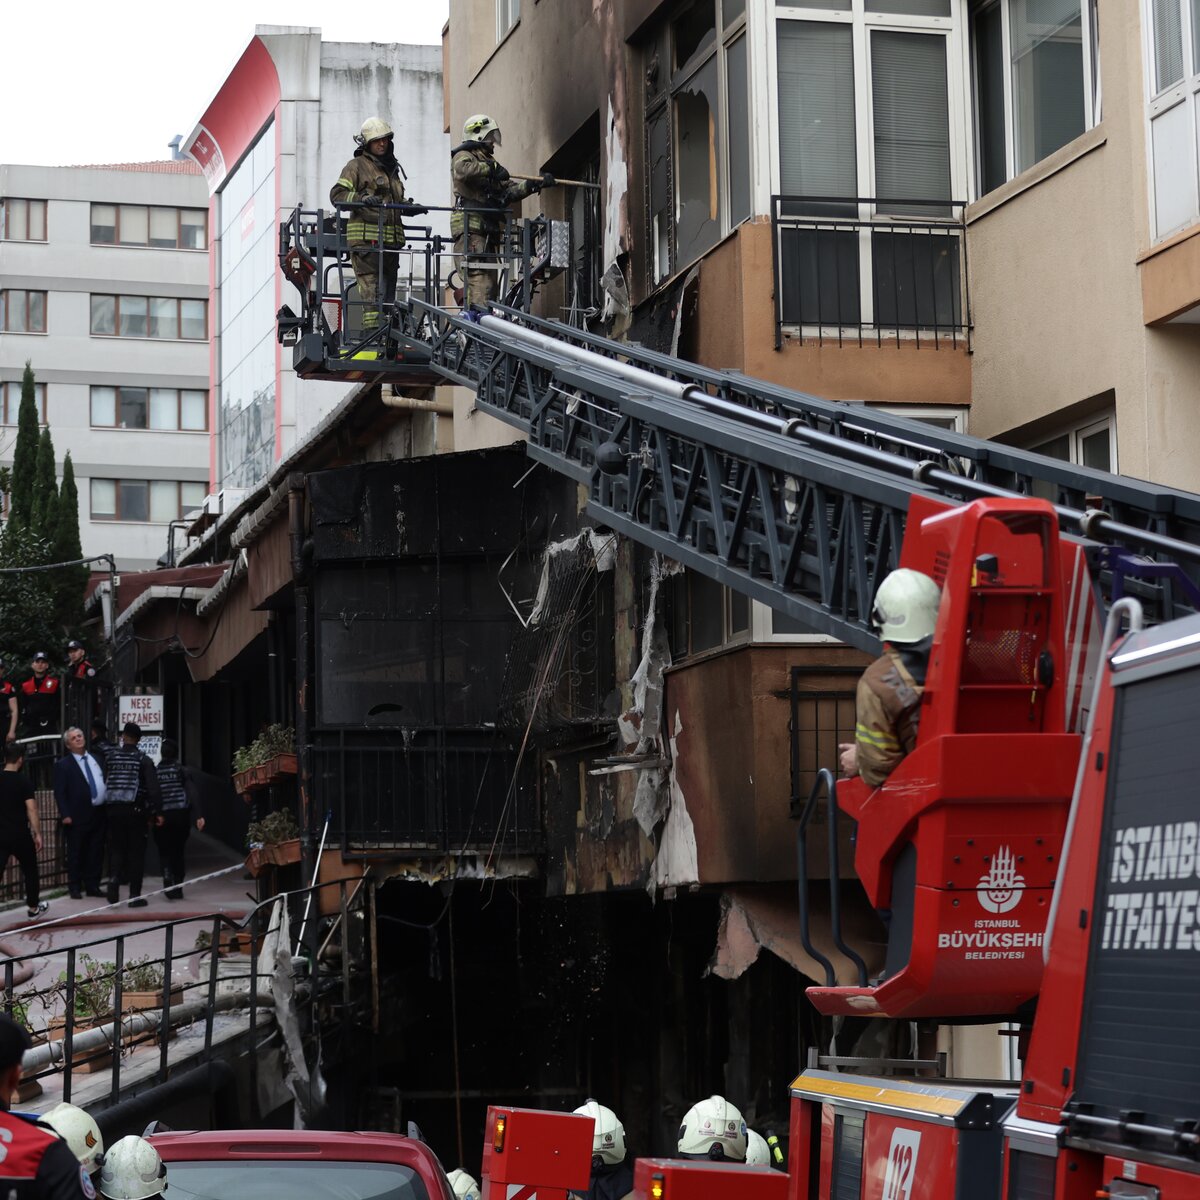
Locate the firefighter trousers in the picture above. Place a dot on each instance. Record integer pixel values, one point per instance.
(476, 257)
(376, 276)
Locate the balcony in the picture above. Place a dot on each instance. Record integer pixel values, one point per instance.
(860, 270)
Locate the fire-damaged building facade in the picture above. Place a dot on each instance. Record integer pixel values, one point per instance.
(565, 766)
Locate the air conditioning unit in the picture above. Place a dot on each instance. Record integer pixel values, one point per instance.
(229, 498)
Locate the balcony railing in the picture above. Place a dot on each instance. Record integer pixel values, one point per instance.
(425, 791)
(854, 269)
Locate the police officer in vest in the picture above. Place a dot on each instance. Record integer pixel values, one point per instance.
(373, 181)
(482, 190)
(133, 798)
(179, 806)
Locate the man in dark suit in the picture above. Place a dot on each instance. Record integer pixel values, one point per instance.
(79, 792)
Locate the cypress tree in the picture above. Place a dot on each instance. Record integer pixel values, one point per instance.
(43, 512)
(65, 547)
(25, 452)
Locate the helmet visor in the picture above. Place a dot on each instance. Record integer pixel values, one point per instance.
(493, 136)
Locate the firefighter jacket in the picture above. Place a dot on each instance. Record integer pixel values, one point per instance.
(473, 177)
(887, 711)
(365, 175)
(38, 1164)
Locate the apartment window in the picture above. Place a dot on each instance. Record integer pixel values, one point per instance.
(158, 227)
(1093, 444)
(697, 132)
(155, 501)
(508, 13)
(868, 173)
(165, 409)
(149, 317)
(10, 402)
(705, 614)
(23, 220)
(23, 312)
(1036, 82)
(1173, 80)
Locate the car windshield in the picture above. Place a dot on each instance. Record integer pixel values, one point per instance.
(280, 1179)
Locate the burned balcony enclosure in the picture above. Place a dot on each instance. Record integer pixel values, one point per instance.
(420, 568)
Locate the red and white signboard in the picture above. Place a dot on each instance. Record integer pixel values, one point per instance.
(146, 712)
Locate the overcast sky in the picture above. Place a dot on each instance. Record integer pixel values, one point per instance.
(94, 83)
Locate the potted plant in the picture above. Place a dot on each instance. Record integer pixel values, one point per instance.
(270, 757)
(142, 985)
(273, 841)
(93, 1007)
(29, 1086)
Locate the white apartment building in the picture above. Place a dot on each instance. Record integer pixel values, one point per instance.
(104, 290)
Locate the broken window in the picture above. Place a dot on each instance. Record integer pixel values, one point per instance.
(705, 614)
(698, 181)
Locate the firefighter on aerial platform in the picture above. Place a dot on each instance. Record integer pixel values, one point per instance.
(371, 180)
(888, 701)
(482, 187)
(612, 1173)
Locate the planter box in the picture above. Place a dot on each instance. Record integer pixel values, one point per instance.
(237, 941)
(55, 1032)
(133, 1001)
(280, 854)
(282, 766)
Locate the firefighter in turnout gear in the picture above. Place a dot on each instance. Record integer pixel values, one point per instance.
(482, 188)
(888, 701)
(612, 1174)
(373, 181)
(713, 1129)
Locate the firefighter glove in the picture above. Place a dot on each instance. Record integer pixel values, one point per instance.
(548, 180)
(371, 202)
(499, 173)
(414, 210)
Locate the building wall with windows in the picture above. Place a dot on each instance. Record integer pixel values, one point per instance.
(277, 135)
(104, 290)
(1085, 267)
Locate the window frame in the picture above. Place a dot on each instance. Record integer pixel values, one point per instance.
(179, 301)
(148, 427)
(663, 104)
(681, 586)
(117, 518)
(116, 243)
(1158, 103)
(1090, 49)
(6, 218)
(1076, 432)
(508, 17)
(5, 304)
(10, 394)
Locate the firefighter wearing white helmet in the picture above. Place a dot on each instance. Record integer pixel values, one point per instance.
(372, 183)
(612, 1174)
(81, 1133)
(132, 1171)
(888, 701)
(463, 1185)
(714, 1129)
(758, 1153)
(483, 189)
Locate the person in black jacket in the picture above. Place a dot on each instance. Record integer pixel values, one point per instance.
(37, 1163)
(80, 792)
(179, 803)
(133, 798)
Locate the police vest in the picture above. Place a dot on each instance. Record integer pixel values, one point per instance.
(123, 774)
(170, 784)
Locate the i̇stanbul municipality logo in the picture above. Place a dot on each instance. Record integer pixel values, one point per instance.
(999, 890)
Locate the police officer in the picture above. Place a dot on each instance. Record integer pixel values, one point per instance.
(371, 180)
(132, 798)
(78, 666)
(40, 695)
(179, 805)
(713, 1129)
(8, 698)
(37, 1162)
(612, 1174)
(482, 188)
(888, 699)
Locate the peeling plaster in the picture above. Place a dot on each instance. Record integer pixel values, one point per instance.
(676, 862)
(615, 188)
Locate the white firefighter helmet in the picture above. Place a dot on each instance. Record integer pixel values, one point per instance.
(608, 1134)
(373, 127)
(758, 1153)
(713, 1128)
(906, 607)
(481, 128)
(463, 1185)
(132, 1171)
(80, 1132)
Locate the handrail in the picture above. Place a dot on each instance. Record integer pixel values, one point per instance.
(835, 876)
(802, 878)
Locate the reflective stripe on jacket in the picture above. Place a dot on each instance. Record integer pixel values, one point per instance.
(887, 713)
(363, 176)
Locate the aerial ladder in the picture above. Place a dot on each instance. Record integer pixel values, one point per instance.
(806, 505)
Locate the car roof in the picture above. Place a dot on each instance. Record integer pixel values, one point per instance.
(285, 1145)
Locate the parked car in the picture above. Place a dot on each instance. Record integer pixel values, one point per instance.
(270, 1164)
